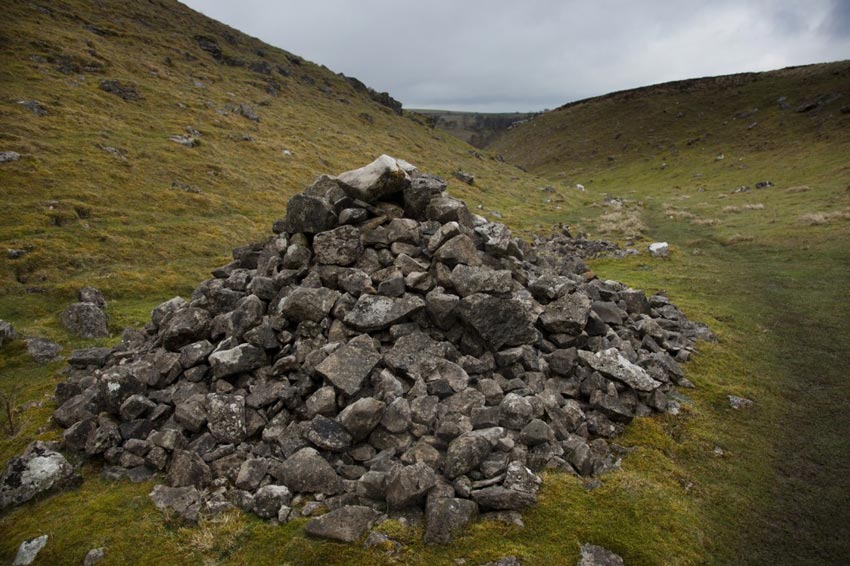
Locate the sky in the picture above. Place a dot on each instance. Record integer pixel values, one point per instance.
(529, 55)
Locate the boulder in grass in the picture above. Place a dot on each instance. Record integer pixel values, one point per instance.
(592, 555)
(346, 524)
(85, 320)
(7, 332)
(28, 551)
(38, 470)
(43, 350)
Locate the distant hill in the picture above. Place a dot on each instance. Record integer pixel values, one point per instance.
(728, 115)
(476, 128)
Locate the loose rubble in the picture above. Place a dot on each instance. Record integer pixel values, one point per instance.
(385, 353)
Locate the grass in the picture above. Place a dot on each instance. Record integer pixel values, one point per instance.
(770, 284)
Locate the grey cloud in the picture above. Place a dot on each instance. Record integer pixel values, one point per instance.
(503, 55)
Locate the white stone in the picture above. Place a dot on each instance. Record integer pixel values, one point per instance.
(659, 249)
(28, 550)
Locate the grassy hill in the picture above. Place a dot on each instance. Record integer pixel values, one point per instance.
(102, 196)
(748, 177)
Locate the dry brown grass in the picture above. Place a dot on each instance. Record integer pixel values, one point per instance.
(705, 221)
(756, 206)
(738, 239)
(731, 209)
(798, 189)
(673, 213)
(625, 222)
(822, 218)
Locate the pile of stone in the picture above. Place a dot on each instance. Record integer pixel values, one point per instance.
(385, 353)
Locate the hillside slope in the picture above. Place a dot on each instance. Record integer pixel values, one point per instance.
(476, 128)
(748, 177)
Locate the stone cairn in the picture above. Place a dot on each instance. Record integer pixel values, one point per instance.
(385, 353)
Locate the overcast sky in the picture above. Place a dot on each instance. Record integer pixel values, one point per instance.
(522, 55)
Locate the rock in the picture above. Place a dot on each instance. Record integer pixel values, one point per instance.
(464, 177)
(309, 215)
(408, 484)
(85, 320)
(305, 303)
(243, 358)
(327, 434)
(7, 333)
(505, 561)
(739, 402)
(376, 312)
(188, 469)
(340, 246)
(659, 249)
(125, 91)
(9, 156)
(86, 357)
(592, 555)
(28, 551)
(360, 417)
(611, 363)
(459, 250)
(348, 366)
(499, 322)
(381, 178)
(94, 556)
(184, 327)
(423, 188)
(185, 502)
(89, 294)
(465, 453)
(251, 473)
(43, 350)
(307, 472)
(445, 518)
(346, 524)
(500, 498)
(414, 353)
(567, 315)
(397, 416)
(38, 470)
(226, 418)
(269, 499)
(468, 280)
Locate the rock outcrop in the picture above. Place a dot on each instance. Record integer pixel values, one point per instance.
(387, 350)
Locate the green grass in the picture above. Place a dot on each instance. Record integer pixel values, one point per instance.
(771, 285)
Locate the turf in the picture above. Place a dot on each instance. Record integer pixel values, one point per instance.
(770, 281)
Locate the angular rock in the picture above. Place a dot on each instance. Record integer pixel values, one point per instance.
(445, 518)
(188, 469)
(376, 312)
(465, 453)
(28, 551)
(305, 303)
(85, 320)
(468, 280)
(185, 501)
(346, 524)
(592, 555)
(408, 484)
(381, 178)
(243, 358)
(360, 417)
(611, 363)
(459, 250)
(38, 470)
(43, 351)
(501, 499)
(567, 315)
(89, 294)
(327, 434)
(309, 215)
(226, 418)
(269, 499)
(340, 246)
(7, 333)
(499, 322)
(348, 366)
(307, 472)
(184, 327)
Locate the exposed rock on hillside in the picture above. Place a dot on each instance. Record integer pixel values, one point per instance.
(388, 350)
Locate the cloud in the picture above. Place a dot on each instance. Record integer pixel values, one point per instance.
(503, 55)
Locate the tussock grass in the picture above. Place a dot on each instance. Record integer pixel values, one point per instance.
(822, 218)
